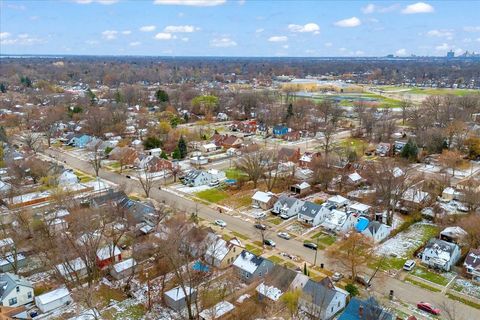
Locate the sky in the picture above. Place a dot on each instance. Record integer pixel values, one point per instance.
(239, 28)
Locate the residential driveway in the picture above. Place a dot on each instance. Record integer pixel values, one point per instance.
(405, 292)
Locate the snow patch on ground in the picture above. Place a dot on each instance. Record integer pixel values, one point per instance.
(403, 243)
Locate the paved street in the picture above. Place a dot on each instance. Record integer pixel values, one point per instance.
(405, 292)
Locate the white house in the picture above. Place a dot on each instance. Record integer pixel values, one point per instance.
(14, 290)
(67, 178)
(209, 147)
(440, 254)
(338, 201)
(312, 213)
(354, 178)
(360, 208)
(472, 264)
(54, 299)
(154, 152)
(263, 200)
(377, 231)
(339, 221)
(287, 207)
(197, 178)
(176, 297)
(73, 269)
(322, 300)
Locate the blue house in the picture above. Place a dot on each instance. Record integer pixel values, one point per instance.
(80, 141)
(365, 310)
(280, 130)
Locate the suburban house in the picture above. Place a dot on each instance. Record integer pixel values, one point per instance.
(123, 269)
(176, 297)
(339, 221)
(276, 283)
(154, 164)
(227, 141)
(322, 300)
(287, 207)
(14, 290)
(53, 299)
(197, 178)
(301, 188)
(472, 264)
(377, 231)
(383, 149)
(67, 177)
(72, 270)
(222, 254)
(292, 136)
(414, 198)
(198, 160)
(440, 254)
(79, 141)
(453, 234)
(312, 213)
(10, 259)
(221, 310)
(365, 310)
(354, 178)
(337, 201)
(360, 209)
(288, 154)
(307, 159)
(125, 155)
(263, 200)
(208, 147)
(250, 267)
(108, 255)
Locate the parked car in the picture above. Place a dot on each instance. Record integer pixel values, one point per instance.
(214, 183)
(362, 279)
(310, 245)
(220, 223)
(128, 177)
(337, 276)
(260, 226)
(260, 215)
(409, 265)
(427, 307)
(269, 242)
(283, 235)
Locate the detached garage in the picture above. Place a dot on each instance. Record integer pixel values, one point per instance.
(54, 299)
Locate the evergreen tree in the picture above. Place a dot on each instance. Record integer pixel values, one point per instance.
(185, 117)
(3, 88)
(176, 154)
(409, 150)
(161, 96)
(305, 271)
(164, 155)
(152, 143)
(290, 111)
(182, 147)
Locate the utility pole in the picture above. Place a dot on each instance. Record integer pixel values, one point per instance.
(148, 291)
(316, 250)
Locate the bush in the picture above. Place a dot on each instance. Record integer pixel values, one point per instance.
(352, 289)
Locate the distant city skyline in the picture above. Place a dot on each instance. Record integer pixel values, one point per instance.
(239, 28)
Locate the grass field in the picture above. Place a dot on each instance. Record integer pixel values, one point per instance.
(234, 173)
(212, 195)
(423, 273)
(253, 249)
(421, 285)
(275, 259)
(464, 301)
(429, 91)
(239, 235)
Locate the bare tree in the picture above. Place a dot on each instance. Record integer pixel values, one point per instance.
(254, 165)
(452, 159)
(146, 179)
(96, 160)
(32, 141)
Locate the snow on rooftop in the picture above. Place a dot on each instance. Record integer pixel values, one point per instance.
(6, 242)
(54, 295)
(262, 196)
(124, 265)
(217, 249)
(106, 252)
(355, 177)
(217, 311)
(71, 266)
(359, 207)
(177, 293)
(247, 261)
(270, 292)
(338, 199)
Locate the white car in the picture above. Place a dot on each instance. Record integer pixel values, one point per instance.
(221, 223)
(409, 265)
(214, 183)
(284, 235)
(260, 215)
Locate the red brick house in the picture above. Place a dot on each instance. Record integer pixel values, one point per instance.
(108, 255)
(308, 158)
(291, 136)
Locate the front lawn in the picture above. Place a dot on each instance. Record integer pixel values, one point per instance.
(253, 249)
(212, 195)
(424, 273)
(275, 259)
(421, 285)
(234, 173)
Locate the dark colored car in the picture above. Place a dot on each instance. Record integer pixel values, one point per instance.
(269, 242)
(260, 226)
(310, 245)
(427, 307)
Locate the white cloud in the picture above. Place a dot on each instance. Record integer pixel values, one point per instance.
(440, 33)
(419, 7)
(148, 28)
(359, 53)
(92, 42)
(401, 52)
(442, 47)
(185, 39)
(110, 34)
(285, 46)
(194, 3)
(478, 39)
(472, 29)
(259, 30)
(309, 27)
(163, 36)
(372, 8)
(348, 23)
(222, 42)
(186, 29)
(23, 39)
(278, 39)
(328, 44)
(104, 2)
(4, 35)
(134, 43)
(126, 32)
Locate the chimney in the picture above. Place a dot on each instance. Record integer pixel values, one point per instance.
(360, 312)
